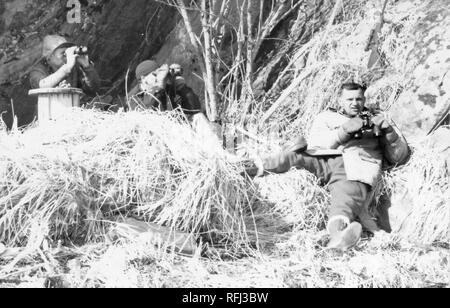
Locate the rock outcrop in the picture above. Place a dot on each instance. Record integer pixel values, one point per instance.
(427, 64)
(119, 33)
(122, 33)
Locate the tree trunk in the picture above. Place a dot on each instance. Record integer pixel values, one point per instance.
(210, 83)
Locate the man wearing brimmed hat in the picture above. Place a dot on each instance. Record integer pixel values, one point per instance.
(163, 88)
(62, 66)
(346, 154)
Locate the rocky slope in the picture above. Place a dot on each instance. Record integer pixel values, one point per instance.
(119, 34)
(426, 62)
(303, 65)
(122, 33)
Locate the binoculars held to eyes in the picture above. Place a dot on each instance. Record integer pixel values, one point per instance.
(175, 70)
(81, 51)
(368, 129)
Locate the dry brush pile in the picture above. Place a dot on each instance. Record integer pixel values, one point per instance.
(69, 182)
(68, 179)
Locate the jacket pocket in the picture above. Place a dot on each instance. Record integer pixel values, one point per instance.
(366, 157)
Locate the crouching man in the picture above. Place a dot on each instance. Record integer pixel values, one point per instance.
(351, 165)
(163, 88)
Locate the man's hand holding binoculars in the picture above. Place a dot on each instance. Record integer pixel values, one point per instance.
(380, 121)
(76, 55)
(358, 126)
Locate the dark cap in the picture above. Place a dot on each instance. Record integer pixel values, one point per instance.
(65, 45)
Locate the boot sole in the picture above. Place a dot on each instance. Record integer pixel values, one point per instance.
(349, 237)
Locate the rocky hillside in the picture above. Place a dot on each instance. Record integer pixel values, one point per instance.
(122, 33)
(72, 183)
(414, 45)
(118, 33)
(410, 79)
(425, 62)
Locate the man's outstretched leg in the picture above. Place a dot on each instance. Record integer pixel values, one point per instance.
(348, 199)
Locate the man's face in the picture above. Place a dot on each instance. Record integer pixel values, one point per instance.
(352, 101)
(58, 58)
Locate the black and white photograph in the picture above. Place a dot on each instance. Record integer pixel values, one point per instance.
(224, 149)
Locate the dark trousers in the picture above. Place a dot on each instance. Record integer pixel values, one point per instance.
(348, 198)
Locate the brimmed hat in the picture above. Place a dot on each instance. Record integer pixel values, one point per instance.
(53, 42)
(145, 68)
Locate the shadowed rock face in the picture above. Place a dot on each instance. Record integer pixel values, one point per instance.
(119, 34)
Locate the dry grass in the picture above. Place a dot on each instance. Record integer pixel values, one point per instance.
(68, 182)
(297, 199)
(288, 214)
(296, 262)
(73, 175)
(425, 216)
(335, 56)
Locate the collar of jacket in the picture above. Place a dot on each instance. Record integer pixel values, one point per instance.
(338, 111)
(47, 66)
(341, 112)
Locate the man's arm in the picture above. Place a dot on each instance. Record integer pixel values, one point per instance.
(139, 98)
(39, 79)
(395, 147)
(156, 100)
(190, 101)
(91, 80)
(36, 76)
(53, 80)
(321, 136)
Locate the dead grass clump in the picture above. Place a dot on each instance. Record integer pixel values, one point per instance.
(75, 174)
(297, 199)
(420, 191)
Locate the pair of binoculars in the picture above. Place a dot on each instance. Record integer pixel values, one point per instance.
(81, 51)
(368, 127)
(175, 70)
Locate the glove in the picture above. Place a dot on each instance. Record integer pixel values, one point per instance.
(389, 133)
(380, 121)
(348, 129)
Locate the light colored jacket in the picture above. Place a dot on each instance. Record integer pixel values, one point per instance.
(363, 158)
